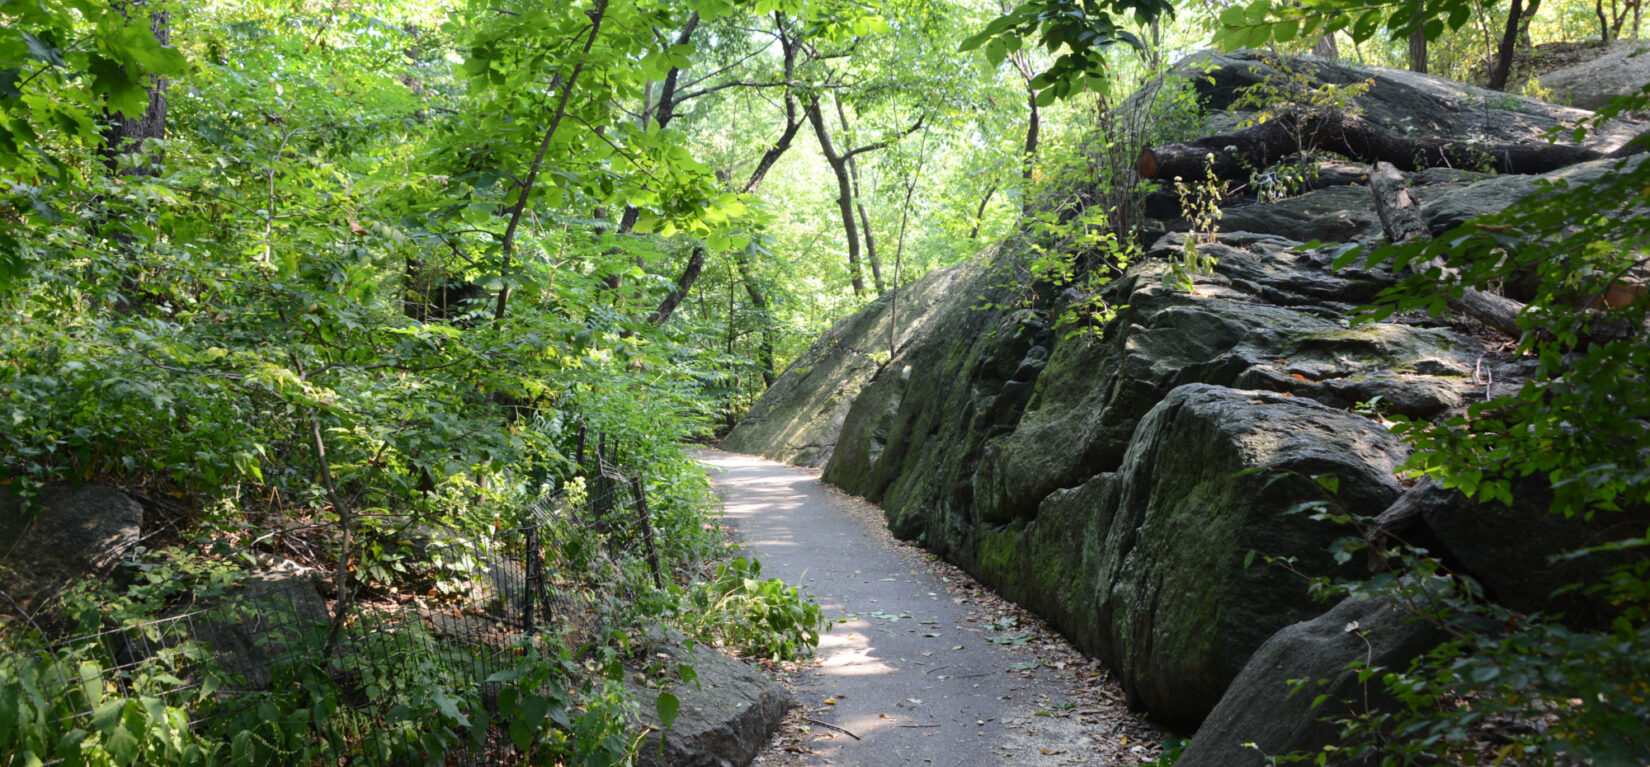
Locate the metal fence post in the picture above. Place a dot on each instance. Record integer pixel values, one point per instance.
(535, 577)
(647, 532)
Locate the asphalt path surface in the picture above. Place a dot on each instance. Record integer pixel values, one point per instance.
(920, 665)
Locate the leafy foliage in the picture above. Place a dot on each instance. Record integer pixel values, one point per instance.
(1080, 30)
(759, 617)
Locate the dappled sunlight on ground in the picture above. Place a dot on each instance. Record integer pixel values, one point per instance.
(920, 666)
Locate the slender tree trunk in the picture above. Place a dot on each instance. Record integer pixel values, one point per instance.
(1621, 18)
(663, 111)
(859, 203)
(844, 194)
(1325, 48)
(899, 251)
(1034, 124)
(1509, 45)
(125, 133)
(1530, 9)
(793, 124)
(1418, 52)
(747, 276)
(979, 215)
(507, 247)
(690, 275)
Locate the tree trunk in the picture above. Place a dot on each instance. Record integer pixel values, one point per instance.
(1401, 221)
(1418, 52)
(125, 133)
(979, 213)
(859, 203)
(1034, 126)
(844, 195)
(747, 276)
(1530, 9)
(508, 244)
(1509, 45)
(1325, 48)
(690, 275)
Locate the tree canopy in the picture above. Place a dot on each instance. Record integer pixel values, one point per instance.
(362, 264)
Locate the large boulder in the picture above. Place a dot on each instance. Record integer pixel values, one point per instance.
(1517, 551)
(1340, 209)
(799, 423)
(726, 714)
(1262, 715)
(1181, 602)
(66, 535)
(1621, 69)
(1257, 322)
(1407, 103)
(267, 619)
(1493, 195)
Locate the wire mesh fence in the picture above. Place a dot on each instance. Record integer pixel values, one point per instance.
(236, 659)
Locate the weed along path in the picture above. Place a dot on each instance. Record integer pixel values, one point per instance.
(920, 666)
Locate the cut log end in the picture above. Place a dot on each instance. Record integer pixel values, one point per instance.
(1146, 166)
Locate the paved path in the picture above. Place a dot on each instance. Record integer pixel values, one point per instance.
(909, 664)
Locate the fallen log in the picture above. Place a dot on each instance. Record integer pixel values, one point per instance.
(1235, 156)
(1401, 221)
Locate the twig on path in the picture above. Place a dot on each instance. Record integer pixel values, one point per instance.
(917, 726)
(932, 670)
(834, 727)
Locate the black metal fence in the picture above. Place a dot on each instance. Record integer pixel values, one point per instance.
(229, 656)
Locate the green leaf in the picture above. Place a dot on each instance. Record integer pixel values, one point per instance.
(91, 682)
(122, 745)
(106, 718)
(995, 52)
(668, 708)
(1366, 26)
(69, 746)
(974, 42)
(43, 50)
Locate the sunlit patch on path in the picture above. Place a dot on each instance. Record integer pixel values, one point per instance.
(921, 666)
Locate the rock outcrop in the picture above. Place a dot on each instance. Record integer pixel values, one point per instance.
(1132, 479)
(1255, 719)
(726, 713)
(1620, 69)
(799, 422)
(66, 535)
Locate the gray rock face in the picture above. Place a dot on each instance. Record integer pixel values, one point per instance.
(1090, 472)
(269, 618)
(74, 533)
(1511, 550)
(1180, 609)
(1621, 70)
(1258, 709)
(1493, 195)
(1408, 103)
(800, 423)
(724, 719)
